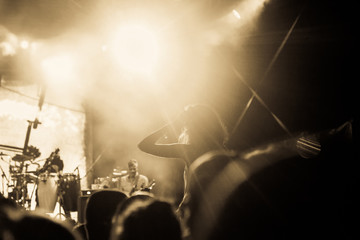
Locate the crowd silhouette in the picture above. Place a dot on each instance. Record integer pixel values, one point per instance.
(19, 224)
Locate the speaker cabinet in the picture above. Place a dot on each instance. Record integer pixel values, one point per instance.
(85, 194)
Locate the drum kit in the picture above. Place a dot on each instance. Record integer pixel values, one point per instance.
(51, 187)
(112, 181)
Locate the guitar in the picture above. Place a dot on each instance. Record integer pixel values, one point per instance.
(144, 189)
(149, 186)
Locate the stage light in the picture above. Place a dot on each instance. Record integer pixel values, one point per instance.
(236, 14)
(8, 42)
(24, 44)
(6, 49)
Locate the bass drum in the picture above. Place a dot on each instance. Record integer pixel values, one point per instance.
(47, 191)
(70, 189)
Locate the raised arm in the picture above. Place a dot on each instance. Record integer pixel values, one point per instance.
(151, 146)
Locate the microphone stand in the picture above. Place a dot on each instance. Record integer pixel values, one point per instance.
(78, 173)
(3, 177)
(78, 180)
(93, 164)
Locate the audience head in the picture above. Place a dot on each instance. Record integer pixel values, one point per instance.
(99, 210)
(146, 218)
(6, 202)
(20, 224)
(136, 196)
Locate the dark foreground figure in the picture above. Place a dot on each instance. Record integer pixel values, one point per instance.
(301, 188)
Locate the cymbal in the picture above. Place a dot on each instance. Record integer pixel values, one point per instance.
(120, 174)
(4, 157)
(21, 158)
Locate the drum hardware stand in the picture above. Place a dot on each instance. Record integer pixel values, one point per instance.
(21, 193)
(32, 192)
(60, 200)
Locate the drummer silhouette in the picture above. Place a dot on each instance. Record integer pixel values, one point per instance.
(53, 164)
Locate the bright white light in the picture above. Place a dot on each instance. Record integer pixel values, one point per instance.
(135, 48)
(8, 43)
(6, 49)
(251, 8)
(246, 10)
(24, 44)
(229, 26)
(236, 14)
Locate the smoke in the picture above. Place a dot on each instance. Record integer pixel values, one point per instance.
(127, 106)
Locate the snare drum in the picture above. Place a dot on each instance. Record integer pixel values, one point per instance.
(70, 189)
(47, 191)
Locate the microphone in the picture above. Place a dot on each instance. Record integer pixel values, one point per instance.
(36, 122)
(78, 172)
(57, 150)
(42, 97)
